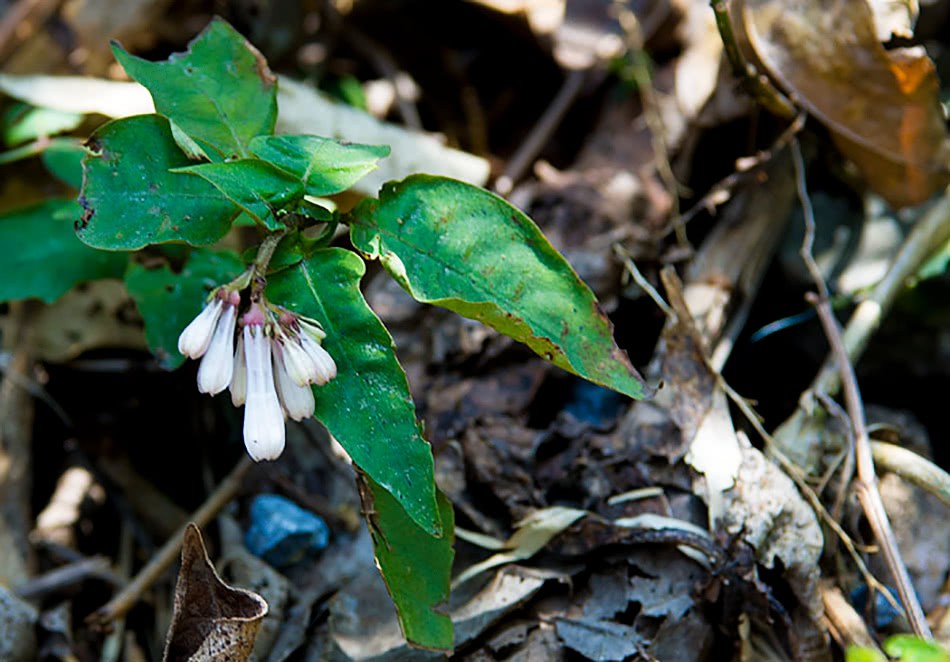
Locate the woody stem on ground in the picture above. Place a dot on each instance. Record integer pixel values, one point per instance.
(866, 483)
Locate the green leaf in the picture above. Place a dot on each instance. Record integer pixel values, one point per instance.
(24, 122)
(855, 654)
(220, 92)
(168, 301)
(324, 166)
(255, 186)
(41, 257)
(132, 200)
(367, 407)
(457, 246)
(63, 158)
(907, 648)
(416, 566)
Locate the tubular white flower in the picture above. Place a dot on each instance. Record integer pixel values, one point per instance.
(296, 400)
(194, 340)
(300, 367)
(217, 365)
(324, 365)
(263, 417)
(239, 379)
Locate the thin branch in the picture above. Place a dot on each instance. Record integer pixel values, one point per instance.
(122, 602)
(866, 483)
(541, 132)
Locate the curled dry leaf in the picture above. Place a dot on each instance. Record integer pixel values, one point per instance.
(881, 106)
(212, 621)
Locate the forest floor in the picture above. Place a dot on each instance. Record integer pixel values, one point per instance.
(729, 517)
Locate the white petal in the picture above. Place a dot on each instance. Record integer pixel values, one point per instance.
(194, 340)
(300, 367)
(325, 366)
(263, 417)
(296, 400)
(239, 379)
(217, 366)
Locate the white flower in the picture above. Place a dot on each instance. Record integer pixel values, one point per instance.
(263, 417)
(296, 400)
(193, 341)
(239, 379)
(323, 364)
(217, 365)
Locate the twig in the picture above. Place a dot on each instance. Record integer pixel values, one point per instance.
(387, 67)
(640, 280)
(541, 132)
(120, 604)
(759, 86)
(845, 621)
(92, 567)
(630, 25)
(913, 468)
(866, 483)
(928, 235)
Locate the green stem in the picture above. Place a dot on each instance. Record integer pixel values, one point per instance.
(262, 261)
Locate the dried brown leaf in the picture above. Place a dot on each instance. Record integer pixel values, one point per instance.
(212, 621)
(881, 106)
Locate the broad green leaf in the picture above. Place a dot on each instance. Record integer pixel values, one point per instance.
(255, 186)
(63, 158)
(325, 166)
(132, 200)
(168, 301)
(368, 407)
(416, 566)
(907, 648)
(457, 246)
(41, 257)
(220, 92)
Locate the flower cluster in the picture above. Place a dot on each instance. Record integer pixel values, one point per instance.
(269, 369)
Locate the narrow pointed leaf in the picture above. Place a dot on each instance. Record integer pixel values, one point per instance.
(169, 300)
(367, 407)
(416, 566)
(325, 166)
(458, 246)
(41, 257)
(220, 92)
(131, 199)
(255, 186)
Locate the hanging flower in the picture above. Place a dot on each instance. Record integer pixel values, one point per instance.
(269, 370)
(194, 340)
(296, 400)
(263, 417)
(217, 365)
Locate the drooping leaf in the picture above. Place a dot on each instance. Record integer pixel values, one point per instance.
(323, 165)
(415, 565)
(220, 91)
(168, 301)
(254, 185)
(367, 407)
(460, 247)
(881, 106)
(132, 200)
(41, 257)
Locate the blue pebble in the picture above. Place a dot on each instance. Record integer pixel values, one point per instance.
(282, 533)
(884, 613)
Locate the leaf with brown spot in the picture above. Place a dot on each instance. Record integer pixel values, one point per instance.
(881, 106)
(212, 621)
